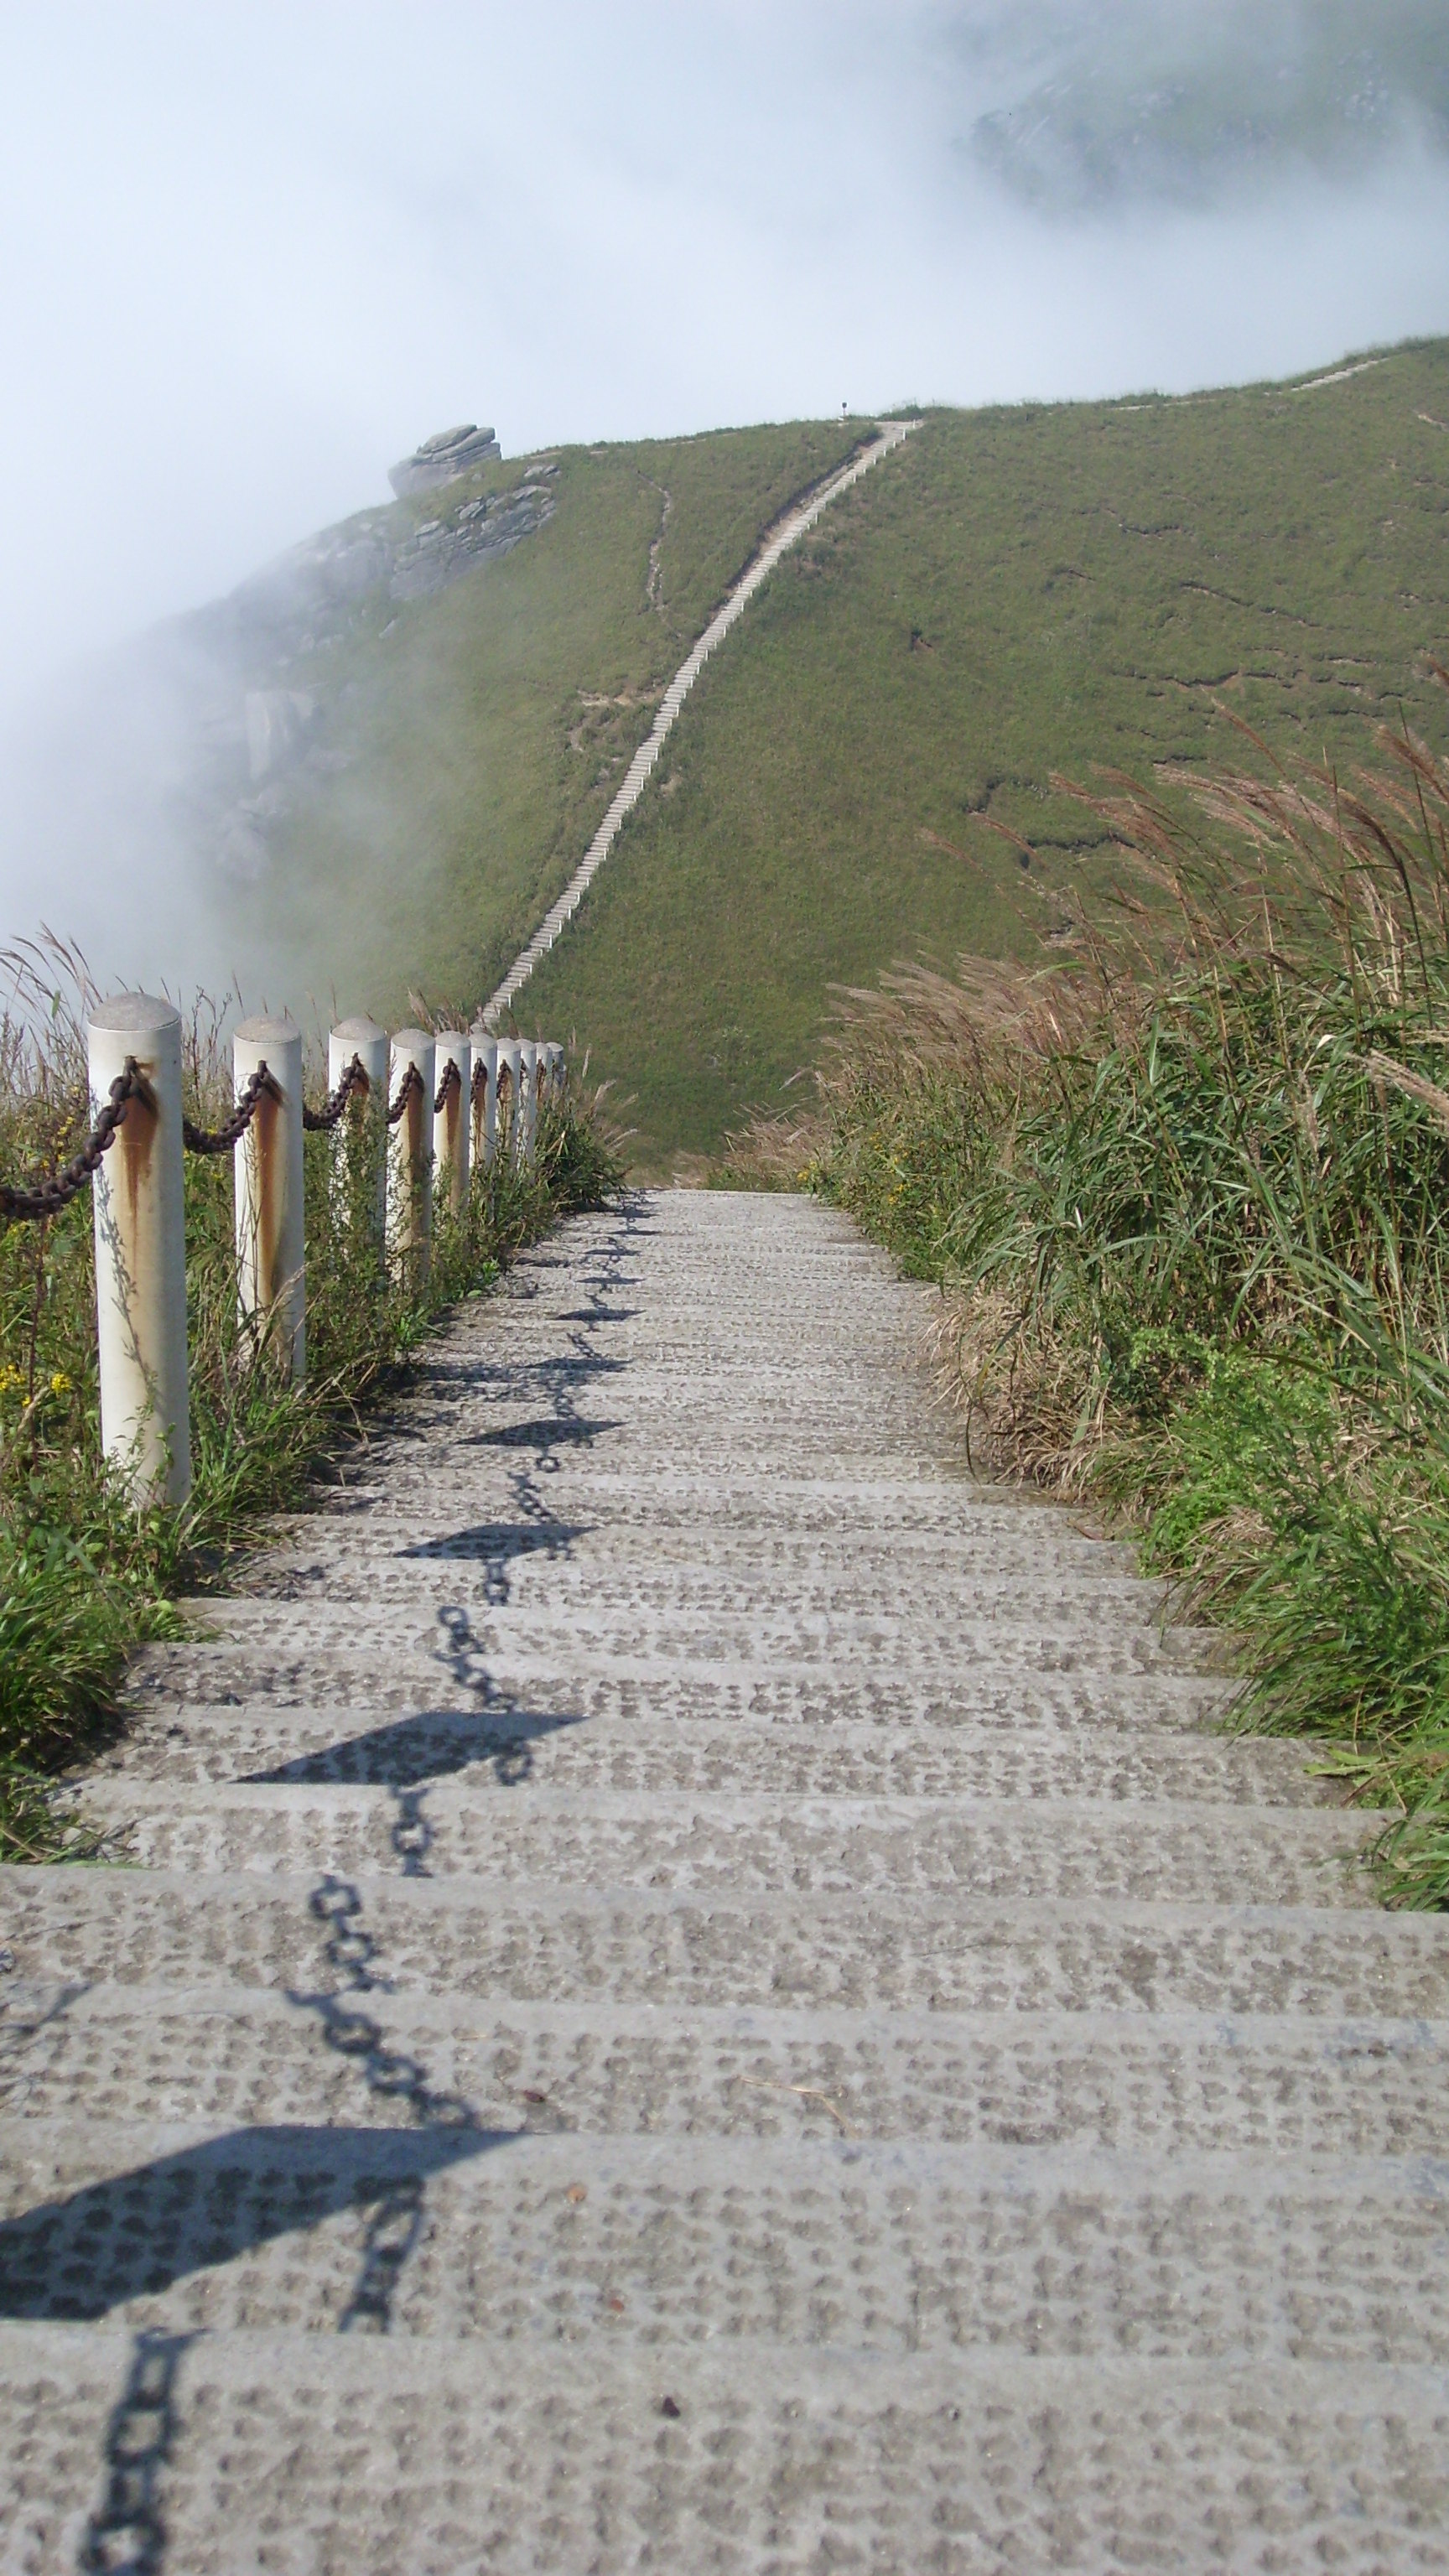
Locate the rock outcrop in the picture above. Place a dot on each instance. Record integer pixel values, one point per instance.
(448, 453)
(276, 720)
(264, 739)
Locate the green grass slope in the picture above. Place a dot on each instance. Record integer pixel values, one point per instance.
(1016, 592)
(467, 744)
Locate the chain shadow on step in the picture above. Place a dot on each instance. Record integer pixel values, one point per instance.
(430, 1744)
(126, 2534)
(133, 2235)
(136, 2234)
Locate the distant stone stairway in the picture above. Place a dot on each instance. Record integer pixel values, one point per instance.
(696, 1992)
(795, 524)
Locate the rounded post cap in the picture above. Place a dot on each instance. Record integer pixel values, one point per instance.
(358, 1031)
(412, 1039)
(450, 1038)
(126, 1013)
(267, 1024)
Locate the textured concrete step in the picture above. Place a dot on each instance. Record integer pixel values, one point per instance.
(398, 1599)
(931, 1652)
(890, 2246)
(531, 1583)
(897, 1527)
(952, 1954)
(893, 1521)
(465, 1680)
(609, 1838)
(746, 1754)
(317, 2456)
(1280, 2084)
(938, 1575)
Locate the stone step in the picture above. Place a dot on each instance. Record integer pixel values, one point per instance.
(886, 1514)
(749, 1754)
(542, 1582)
(215, 1686)
(952, 1954)
(1281, 2084)
(893, 2247)
(467, 1669)
(312, 2455)
(904, 2246)
(861, 1644)
(668, 1557)
(724, 1841)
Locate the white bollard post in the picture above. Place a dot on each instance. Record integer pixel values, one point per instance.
(361, 1037)
(410, 1155)
(508, 1124)
(268, 1164)
(485, 1096)
(527, 1128)
(557, 1074)
(453, 1123)
(139, 1207)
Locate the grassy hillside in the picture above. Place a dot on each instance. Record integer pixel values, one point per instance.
(1015, 592)
(466, 744)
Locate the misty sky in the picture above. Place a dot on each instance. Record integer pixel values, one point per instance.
(252, 254)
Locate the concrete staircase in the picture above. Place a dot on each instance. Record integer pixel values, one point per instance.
(695, 1990)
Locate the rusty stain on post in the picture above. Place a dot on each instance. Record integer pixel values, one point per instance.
(485, 1096)
(269, 1187)
(507, 1124)
(362, 1123)
(453, 1119)
(410, 1156)
(139, 1208)
(529, 1053)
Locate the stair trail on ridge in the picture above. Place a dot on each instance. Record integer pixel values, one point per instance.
(796, 524)
(695, 1987)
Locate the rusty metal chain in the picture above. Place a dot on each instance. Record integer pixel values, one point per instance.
(480, 1083)
(203, 1140)
(354, 1078)
(411, 1084)
(48, 1197)
(452, 1081)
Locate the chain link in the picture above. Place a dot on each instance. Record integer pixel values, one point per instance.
(354, 1078)
(203, 1140)
(48, 1197)
(411, 1084)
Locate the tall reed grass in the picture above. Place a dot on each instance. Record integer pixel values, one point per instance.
(84, 1578)
(1186, 1191)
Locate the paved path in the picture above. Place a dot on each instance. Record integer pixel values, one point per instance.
(740, 1948)
(636, 777)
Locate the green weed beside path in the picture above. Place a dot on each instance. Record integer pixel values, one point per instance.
(84, 1578)
(1187, 1196)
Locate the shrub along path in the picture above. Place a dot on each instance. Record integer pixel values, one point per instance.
(738, 1948)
